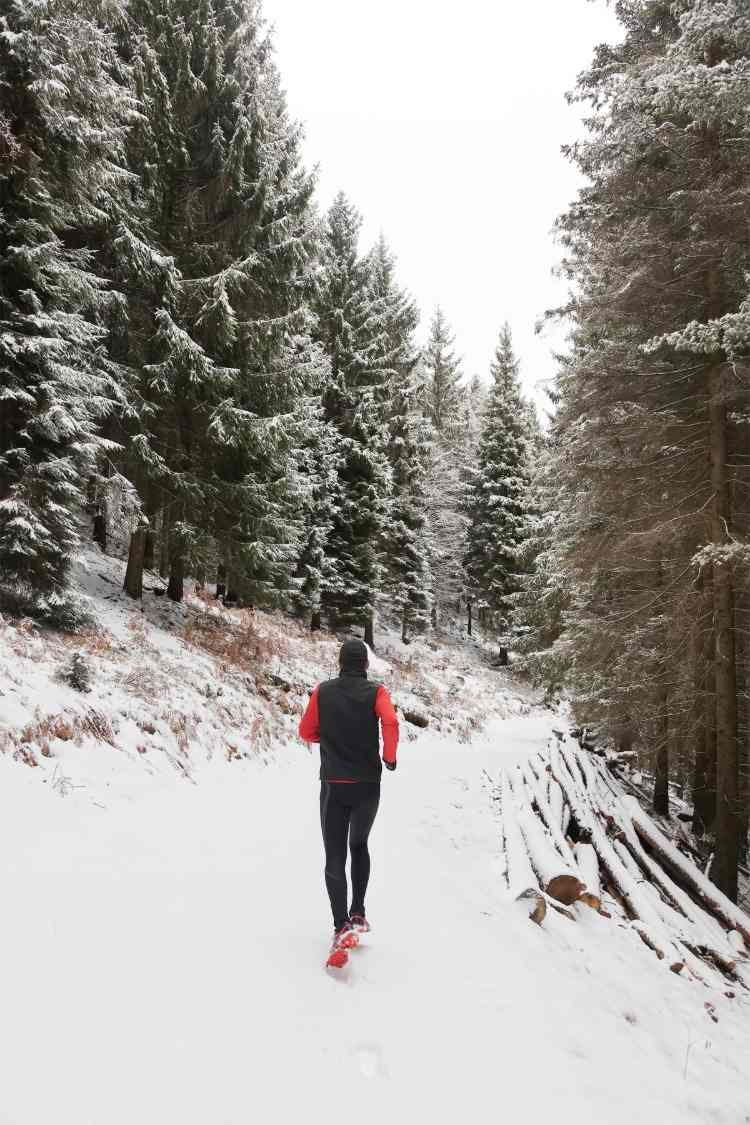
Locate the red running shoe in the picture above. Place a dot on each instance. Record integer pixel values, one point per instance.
(359, 923)
(344, 939)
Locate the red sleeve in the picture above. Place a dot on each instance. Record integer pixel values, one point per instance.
(309, 728)
(389, 723)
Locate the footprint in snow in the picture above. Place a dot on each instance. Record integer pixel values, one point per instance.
(370, 1060)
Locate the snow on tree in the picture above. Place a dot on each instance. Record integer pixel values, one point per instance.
(64, 115)
(407, 580)
(352, 331)
(451, 408)
(497, 493)
(538, 608)
(229, 203)
(443, 376)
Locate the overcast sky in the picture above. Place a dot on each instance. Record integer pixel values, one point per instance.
(443, 123)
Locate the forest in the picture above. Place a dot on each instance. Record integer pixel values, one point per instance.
(210, 377)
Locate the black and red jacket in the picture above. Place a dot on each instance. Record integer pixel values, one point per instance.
(343, 716)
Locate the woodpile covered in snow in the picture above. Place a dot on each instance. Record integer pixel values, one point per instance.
(575, 840)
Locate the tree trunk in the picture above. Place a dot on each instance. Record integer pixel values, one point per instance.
(370, 632)
(704, 725)
(133, 584)
(661, 772)
(315, 624)
(100, 528)
(176, 587)
(727, 824)
(404, 627)
(468, 618)
(166, 520)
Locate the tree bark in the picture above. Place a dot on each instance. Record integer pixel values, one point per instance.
(404, 627)
(315, 623)
(100, 528)
(661, 772)
(468, 617)
(704, 718)
(176, 587)
(133, 584)
(370, 632)
(727, 824)
(166, 520)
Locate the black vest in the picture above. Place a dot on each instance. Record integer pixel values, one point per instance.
(349, 732)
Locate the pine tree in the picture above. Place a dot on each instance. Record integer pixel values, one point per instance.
(442, 376)
(539, 607)
(407, 582)
(651, 464)
(450, 408)
(352, 332)
(498, 492)
(62, 180)
(319, 463)
(231, 351)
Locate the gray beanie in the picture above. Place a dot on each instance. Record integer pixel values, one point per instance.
(353, 657)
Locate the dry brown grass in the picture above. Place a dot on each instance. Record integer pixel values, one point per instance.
(68, 728)
(145, 682)
(235, 641)
(48, 727)
(182, 727)
(95, 642)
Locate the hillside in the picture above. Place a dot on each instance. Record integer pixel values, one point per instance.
(162, 878)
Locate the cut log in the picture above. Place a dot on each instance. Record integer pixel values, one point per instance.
(588, 865)
(534, 902)
(546, 861)
(560, 908)
(686, 873)
(565, 889)
(550, 819)
(416, 719)
(592, 901)
(520, 874)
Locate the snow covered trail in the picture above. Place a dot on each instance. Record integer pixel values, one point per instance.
(161, 963)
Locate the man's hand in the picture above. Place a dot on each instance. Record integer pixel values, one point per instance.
(389, 765)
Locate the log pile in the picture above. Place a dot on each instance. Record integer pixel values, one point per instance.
(575, 839)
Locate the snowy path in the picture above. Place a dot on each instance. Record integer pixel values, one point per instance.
(162, 965)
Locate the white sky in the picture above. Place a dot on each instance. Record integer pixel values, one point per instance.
(443, 123)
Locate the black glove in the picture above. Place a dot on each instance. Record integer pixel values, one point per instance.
(389, 765)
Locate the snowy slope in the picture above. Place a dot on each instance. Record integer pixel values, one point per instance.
(166, 922)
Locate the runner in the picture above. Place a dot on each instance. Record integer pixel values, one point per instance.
(343, 716)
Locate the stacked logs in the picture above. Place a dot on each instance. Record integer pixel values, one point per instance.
(573, 839)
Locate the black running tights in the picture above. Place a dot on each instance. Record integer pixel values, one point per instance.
(347, 811)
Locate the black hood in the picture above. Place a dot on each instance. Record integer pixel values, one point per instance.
(353, 658)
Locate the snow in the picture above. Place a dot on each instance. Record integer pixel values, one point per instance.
(165, 924)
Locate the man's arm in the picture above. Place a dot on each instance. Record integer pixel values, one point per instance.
(309, 728)
(389, 723)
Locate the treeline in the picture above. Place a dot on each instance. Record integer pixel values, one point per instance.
(640, 599)
(188, 346)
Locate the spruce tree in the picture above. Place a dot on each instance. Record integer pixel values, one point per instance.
(449, 406)
(231, 349)
(651, 463)
(539, 607)
(407, 582)
(351, 321)
(498, 492)
(62, 180)
(442, 376)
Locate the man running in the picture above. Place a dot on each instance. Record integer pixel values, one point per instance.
(342, 716)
